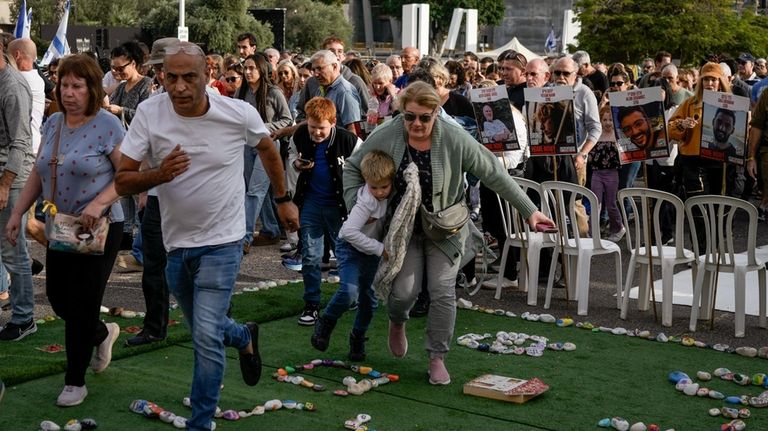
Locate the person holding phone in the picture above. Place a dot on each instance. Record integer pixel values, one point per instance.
(321, 148)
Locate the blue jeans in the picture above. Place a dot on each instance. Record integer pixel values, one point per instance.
(257, 187)
(18, 264)
(136, 249)
(316, 221)
(269, 224)
(202, 280)
(356, 270)
(627, 175)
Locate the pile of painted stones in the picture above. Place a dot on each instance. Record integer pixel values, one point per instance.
(685, 384)
(661, 337)
(507, 343)
(373, 378)
(622, 424)
(71, 425)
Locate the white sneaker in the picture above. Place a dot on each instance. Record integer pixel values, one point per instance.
(72, 396)
(506, 283)
(617, 236)
(103, 356)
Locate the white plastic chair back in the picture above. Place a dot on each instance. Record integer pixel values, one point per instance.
(561, 198)
(719, 214)
(647, 206)
(645, 203)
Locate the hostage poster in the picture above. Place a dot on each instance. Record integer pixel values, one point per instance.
(493, 114)
(551, 121)
(639, 124)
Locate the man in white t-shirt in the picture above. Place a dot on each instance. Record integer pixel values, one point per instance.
(194, 144)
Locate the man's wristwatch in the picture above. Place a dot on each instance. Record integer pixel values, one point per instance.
(287, 197)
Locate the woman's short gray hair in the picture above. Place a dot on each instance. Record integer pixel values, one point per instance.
(382, 71)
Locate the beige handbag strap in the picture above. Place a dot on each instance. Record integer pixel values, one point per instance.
(55, 160)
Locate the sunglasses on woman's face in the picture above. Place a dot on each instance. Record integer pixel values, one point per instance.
(423, 118)
(231, 79)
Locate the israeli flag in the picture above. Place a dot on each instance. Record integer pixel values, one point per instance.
(551, 43)
(59, 46)
(24, 22)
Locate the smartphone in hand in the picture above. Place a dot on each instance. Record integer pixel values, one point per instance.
(546, 228)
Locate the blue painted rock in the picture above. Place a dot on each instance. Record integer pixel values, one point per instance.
(676, 376)
(733, 400)
(604, 423)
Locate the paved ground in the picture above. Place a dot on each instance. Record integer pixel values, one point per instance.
(263, 263)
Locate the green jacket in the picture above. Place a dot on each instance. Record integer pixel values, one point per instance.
(453, 153)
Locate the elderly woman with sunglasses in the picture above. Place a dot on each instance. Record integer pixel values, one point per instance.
(443, 152)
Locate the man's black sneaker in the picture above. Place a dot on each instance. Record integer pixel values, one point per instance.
(308, 316)
(321, 336)
(15, 332)
(141, 339)
(250, 363)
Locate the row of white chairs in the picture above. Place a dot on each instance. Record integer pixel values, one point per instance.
(559, 202)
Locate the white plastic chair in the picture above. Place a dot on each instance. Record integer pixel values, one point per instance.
(519, 235)
(650, 205)
(577, 250)
(719, 217)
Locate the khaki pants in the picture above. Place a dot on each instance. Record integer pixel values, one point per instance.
(582, 220)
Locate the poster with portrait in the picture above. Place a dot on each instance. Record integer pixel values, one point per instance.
(551, 121)
(724, 127)
(639, 124)
(494, 118)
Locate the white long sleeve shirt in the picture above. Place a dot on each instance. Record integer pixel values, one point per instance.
(365, 223)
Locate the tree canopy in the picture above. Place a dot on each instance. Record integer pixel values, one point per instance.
(489, 12)
(308, 22)
(628, 30)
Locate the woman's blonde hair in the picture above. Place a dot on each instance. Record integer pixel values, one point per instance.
(419, 93)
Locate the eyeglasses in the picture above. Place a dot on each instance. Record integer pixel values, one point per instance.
(562, 73)
(231, 79)
(186, 47)
(514, 55)
(423, 118)
(120, 69)
(617, 83)
(531, 74)
(320, 68)
(284, 73)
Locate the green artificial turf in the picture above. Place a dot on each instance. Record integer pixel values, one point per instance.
(21, 361)
(606, 376)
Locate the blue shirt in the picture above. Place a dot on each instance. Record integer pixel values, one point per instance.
(758, 88)
(84, 168)
(345, 97)
(321, 185)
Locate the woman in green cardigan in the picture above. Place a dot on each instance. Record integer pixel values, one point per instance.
(443, 152)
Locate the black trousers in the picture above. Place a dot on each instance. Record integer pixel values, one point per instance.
(153, 283)
(75, 285)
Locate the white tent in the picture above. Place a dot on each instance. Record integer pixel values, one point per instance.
(512, 44)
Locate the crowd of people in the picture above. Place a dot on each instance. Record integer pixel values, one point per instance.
(187, 152)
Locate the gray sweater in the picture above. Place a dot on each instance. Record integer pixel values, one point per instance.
(453, 153)
(15, 132)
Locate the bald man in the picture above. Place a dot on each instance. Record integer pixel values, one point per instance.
(410, 56)
(194, 143)
(24, 52)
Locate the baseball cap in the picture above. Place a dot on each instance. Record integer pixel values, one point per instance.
(158, 50)
(745, 56)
